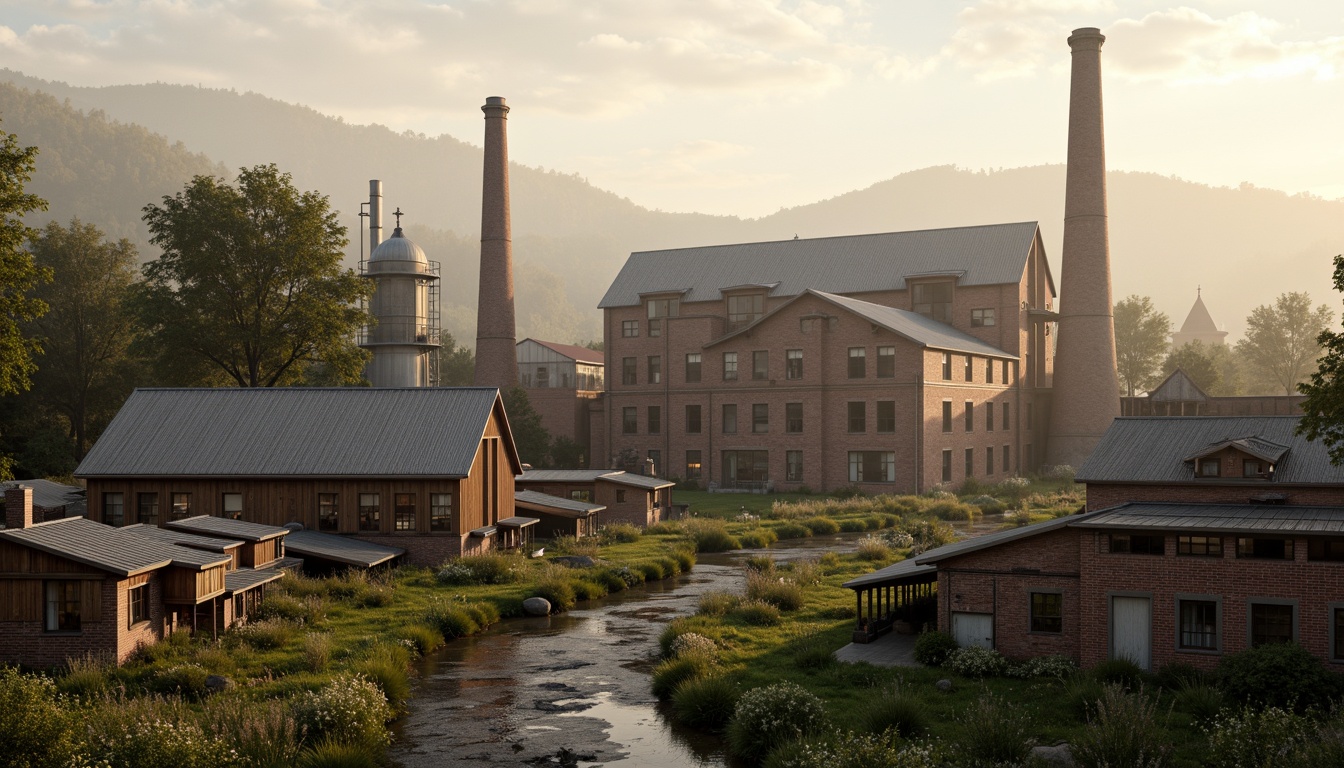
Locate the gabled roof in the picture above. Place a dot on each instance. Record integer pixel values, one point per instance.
(339, 549)
(919, 329)
(273, 432)
(545, 502)
(107, 548)
(1219, 518)
(1260, 449)
(48, 494)
(1176, 388)
(617, 476)
(1154, 450)
(987, 255)
(227, 528)
(572, 351)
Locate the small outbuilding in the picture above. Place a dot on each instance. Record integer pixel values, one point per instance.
(560, 517)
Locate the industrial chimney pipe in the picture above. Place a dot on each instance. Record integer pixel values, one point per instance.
(496, 353)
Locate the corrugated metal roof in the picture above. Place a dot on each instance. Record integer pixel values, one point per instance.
(107, 548)
(987, 255)
(48, 494)
(1257, 447)
(996, 538)
(321, 432)
(1220, 518)
(1153, 450)
(243, 579)
(208, 543)
(549, 503)
(517, 521)
(617, 476)
(637, 481)
(339, 549)
(228, 528)
(905, 569)
(572, 351)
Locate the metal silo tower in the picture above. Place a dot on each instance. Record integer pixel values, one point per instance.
(405, 307)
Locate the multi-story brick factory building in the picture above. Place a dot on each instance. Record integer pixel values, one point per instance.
(892, 362)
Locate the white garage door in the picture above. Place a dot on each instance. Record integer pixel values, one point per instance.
(1132, 629)
(973, 629)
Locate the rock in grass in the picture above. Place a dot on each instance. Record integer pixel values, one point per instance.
(1056, 756)
(217, 683)
(944, 685)
(537, 606)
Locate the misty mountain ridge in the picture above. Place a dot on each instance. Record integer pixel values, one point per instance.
(137, 143)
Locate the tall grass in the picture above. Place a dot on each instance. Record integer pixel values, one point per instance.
(1125, 731)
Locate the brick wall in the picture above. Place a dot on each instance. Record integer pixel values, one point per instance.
(28, 643)
(430, 550)
(1103, 495)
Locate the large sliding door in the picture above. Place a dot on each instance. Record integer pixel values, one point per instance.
(1132, 629)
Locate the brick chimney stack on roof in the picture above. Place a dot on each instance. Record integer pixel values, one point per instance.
(1086, 383)
(18, 508)
(496, 348)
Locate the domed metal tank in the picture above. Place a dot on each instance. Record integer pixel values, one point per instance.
(405, 306)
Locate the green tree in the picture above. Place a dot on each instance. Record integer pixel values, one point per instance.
(568, 454)
(457, 365)
(86, 370)
(1323, 410)
(1197, 361)
(1282, 340)
(250, 289)
(532, 439)
(19, 273)
(1142, 338)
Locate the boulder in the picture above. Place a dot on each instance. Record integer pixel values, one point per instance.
(537, 606)
(1055, 756)
(944, 685)
(217, 683)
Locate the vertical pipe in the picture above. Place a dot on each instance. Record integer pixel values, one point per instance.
(375, 215)
(496, 353)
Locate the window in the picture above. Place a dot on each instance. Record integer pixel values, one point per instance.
(1330, 550)
(858, 416)
(886, 415)
(729, 419)
(147, 508)
(970, 462)
(655, 369)
(1138, 544)
(989, 371)
(629, 329)
(760, 365)
(793, 466)
(741, 467)
(1265, 549)
(328, 514)
(181, 506)
(1272, 623)
(63, 607)
(886, 362)
(1209, 467)
(581, 494)
(629, 420)
(692, 465)
(872, 466)
(1005, 372)
(403, 512)
(1047, 612)
(1198, 625)
(970, 368)
(440, 511)
(1006, 418)
(947, 465)
(1202, 546)
(730, 366)
(1252, 468)
(989, 460)
(692, 367)
(970, 416)
(655, 419)
(629, 371)
(745, 310)
(369, 511)
(137, 603)
(233, 506)
(793, 418)
(620, 496)
(934, 300)
(989, 417)
(658, 309)
(858, 362)
(947, 416)
(693, 419)
(947, 366)
(760, 417)
(793, 364)
(114, 512)
(982, 318)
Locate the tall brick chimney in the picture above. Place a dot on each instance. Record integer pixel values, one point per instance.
(18, 507)
(496, 353)
(1086, 385)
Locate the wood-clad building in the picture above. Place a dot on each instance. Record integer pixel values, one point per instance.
(560, 517)
(419, 469)
(625, 497)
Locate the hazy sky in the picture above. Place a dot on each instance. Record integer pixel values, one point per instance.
(746, 106)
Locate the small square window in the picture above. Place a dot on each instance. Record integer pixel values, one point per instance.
(233, 506)
(1200, 546)
(982, 317)
(1047, 612)
(1210, 467)
(629, 328)
(1272, 623)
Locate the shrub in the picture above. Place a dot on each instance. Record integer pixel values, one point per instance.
(1083, 692)
(483, 613)
(874, 549)
(685, 558)
(572, 545)
(758, 538)
(784, 595)
(350, 708)
(792, 531)
(488, 568)
(1280, 675)
(976, 662)
(387, 669)
(804, 573)
(262, 734)
(35, 730)
(855, 750)
(424, 638)
(331, 753)
(821, 526)
(760, 564)
(993, 733)
(620, 533)
(693, 644)
(268, 634)
(768, 717)
(853, 526)
(85, 675)
(670, 565)
(610, 580)
(316, 651)
(1124, 732)
(671, 673)
(150, 732)
(185, 680)
(716, 603)
(1178, 675)
(706, 702)
(931, 648)
(451, 620)
(675, 629)
(812, 652)
(757, 613)
(897, 710)
(651, 571)
(1054, 665)
(558, 589)
(1201, 701)
(951, 509)
(711, 535)
(1121, 671)
(666, 528)
(1256, 738)
(285, 607)
(587, 589)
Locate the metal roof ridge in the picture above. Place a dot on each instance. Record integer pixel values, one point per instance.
(1036, 223)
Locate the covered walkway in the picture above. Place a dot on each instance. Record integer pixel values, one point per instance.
(904, 592)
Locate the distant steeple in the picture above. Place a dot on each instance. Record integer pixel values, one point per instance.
(1199, 325)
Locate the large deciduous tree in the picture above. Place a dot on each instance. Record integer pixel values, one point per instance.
(250, 289)
(85, 371)
(1323, 409)
(19, 273)
(529, 436)
(1281, 342)
(1142, 337)
(1196, 360)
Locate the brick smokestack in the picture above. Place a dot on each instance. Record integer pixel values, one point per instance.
(496, 354)
(1086, 384)
(18, 507)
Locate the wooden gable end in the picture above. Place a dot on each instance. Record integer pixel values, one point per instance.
(24, 571)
